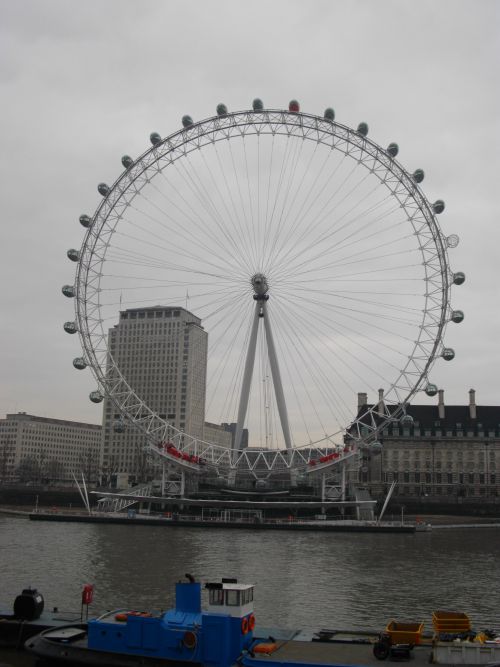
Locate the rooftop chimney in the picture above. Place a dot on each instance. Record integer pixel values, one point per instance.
(362, 399)
(441, 404)
(380, 408)
(472, 404)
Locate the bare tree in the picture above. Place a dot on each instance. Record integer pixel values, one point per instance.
(88, 462)
(4, 458)
(54, 471)
(141, 466)
(109, 468)
(28, 469)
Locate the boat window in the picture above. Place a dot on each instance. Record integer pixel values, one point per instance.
(247, 596)
(216, 596)
(232, 598)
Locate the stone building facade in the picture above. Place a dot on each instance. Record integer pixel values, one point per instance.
(444, 453)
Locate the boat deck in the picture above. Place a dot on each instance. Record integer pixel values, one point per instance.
(15, 631)
(332, 653)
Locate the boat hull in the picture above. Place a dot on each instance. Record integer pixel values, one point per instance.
(54, 647)
(69, 646)
(318, 526)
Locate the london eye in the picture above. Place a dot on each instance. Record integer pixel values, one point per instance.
(314, 261)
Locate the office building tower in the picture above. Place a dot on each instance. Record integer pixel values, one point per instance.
(162, 353)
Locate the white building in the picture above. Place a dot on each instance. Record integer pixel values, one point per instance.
(41, 449)
(162, 353)
(217, 434)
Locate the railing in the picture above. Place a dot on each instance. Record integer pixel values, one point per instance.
(113, 505)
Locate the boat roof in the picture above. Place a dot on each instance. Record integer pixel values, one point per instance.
(228, 585)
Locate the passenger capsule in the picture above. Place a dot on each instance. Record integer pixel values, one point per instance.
(393, 149)
(363, 129)
(68, 290)
(293, 106)
(406, 420)
(103, 189)
(70, 327)
(438, 206)
(85, 221)
(457, 316)
(127, 161)
(79, 363)
(96, 396)
(119, 426)
(431, 389)
(221, 109)
(418, 175)
(448, 353)
(73, 255)
(261, 484)
(329, 114)
(452, 240)
(257, 104)
(375, 447)
(187, 121)
(155, 138)
(458, 278)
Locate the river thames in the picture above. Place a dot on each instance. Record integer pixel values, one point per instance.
(303, 580)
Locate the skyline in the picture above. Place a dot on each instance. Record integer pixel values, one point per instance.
(443, 116)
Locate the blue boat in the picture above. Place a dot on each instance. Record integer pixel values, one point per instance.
(184, 635)
(224, 635)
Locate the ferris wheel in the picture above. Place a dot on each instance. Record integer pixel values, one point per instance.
(313, 260)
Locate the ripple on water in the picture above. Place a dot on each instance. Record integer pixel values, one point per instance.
(306, 580)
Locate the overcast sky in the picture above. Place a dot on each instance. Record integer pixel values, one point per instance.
(82, 83)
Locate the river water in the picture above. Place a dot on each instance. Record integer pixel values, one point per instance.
(303, 580)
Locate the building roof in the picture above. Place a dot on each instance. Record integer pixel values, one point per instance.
(456, 417)
(23, 416)
(486, 415)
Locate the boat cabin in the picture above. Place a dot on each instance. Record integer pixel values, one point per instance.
(231, 598)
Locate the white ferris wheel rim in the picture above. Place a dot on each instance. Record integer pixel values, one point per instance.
(432, 244)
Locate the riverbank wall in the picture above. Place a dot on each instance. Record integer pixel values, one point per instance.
(28, 498)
